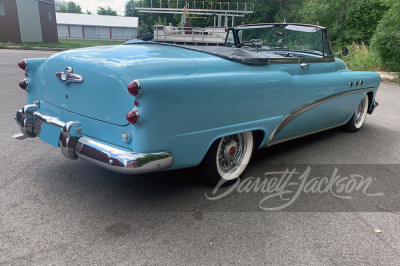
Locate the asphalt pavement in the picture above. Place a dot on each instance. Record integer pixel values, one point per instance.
(58, 211)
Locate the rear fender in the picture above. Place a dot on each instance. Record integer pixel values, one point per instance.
(33, 68)
(185, 115)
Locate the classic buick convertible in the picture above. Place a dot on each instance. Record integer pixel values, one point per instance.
(143, 106)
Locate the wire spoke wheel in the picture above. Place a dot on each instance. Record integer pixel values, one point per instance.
(358, 118)
(359, 114)
(233, 154)
(228, 157)
(231, 151)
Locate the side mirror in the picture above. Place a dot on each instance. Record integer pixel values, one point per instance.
(345, 51)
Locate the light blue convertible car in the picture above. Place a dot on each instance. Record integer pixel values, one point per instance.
(143, 107)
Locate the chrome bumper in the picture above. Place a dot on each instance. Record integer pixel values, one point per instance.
(73, 145)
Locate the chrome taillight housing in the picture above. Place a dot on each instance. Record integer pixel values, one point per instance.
(134, 88)
(133, 117)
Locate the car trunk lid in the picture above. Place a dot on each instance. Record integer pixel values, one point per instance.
(107, 72)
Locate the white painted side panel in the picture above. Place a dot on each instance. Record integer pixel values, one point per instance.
(29, 21)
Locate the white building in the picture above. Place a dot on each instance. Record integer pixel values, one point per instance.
(83, 26)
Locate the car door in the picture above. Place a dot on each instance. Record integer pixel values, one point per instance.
(321, 80)
(285, 95)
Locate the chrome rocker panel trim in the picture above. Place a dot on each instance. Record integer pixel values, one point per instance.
(73, 145)
(302, 109)
(306, 134)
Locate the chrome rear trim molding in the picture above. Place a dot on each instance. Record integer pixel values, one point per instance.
(305, 134)
(302, 109)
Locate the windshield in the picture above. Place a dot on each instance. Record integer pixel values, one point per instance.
(306, 40)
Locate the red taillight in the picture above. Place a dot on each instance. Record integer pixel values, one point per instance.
(22, 64)
(23, 84)
(134, 88)
(133, 117)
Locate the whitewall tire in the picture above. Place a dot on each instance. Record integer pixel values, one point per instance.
(357, 120)
(228, 157)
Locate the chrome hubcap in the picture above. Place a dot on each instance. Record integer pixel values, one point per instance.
(360, 111)
(231, 151)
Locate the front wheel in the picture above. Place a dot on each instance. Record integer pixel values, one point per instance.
(357, 120)
(228, 158)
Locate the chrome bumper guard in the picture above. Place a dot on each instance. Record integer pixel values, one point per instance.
(373, 106)
(73, 145)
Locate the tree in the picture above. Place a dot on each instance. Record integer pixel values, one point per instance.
(386, 40)
(60, 6)
(348, 21)
(69, 7)
(130, 9)
(106, 11)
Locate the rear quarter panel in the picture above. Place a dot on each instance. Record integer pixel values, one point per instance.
(185, 115)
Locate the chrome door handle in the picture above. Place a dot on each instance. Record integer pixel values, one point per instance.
(304, 65)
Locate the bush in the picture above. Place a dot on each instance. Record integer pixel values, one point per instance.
(361, 58)
(348, 21)
(397, 80)
(386, 40)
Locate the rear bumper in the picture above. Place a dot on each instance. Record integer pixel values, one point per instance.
(74, 145)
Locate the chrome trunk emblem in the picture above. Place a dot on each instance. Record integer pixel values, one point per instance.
(68, 76)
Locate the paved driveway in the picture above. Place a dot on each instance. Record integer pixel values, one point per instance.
(58, 211)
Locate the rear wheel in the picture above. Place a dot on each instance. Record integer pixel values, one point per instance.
(357, 120)
(228, 158)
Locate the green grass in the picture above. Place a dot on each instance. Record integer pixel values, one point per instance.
(397, 80)
(362, 58)
(63, 43)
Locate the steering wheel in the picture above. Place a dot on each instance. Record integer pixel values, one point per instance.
(243, 43)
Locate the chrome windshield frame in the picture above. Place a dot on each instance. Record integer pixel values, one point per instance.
(324, 36)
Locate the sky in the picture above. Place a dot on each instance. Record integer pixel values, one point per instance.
(91, 5)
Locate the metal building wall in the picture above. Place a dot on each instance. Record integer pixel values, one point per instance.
(90, 32)
(75, 31)
(123, 33)
(9, 23)
(48, 21)
(62, 31)
(95, 32)
(28, 21)
(103, 33)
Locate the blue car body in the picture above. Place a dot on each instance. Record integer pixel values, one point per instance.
(189, 99)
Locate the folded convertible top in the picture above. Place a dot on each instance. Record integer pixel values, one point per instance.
(233, 54)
